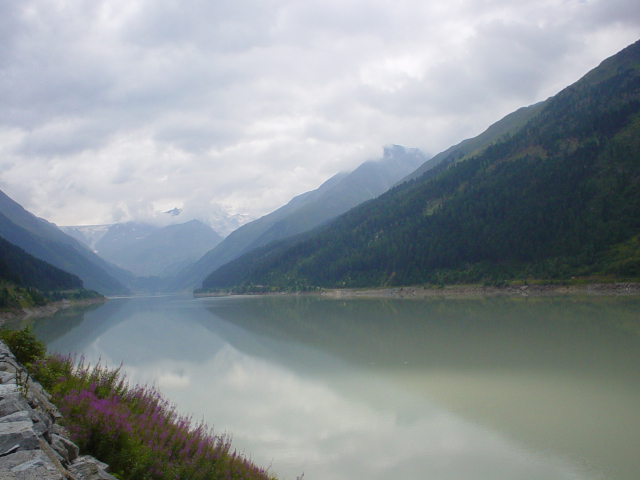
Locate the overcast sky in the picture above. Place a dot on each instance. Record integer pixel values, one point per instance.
(112, 110)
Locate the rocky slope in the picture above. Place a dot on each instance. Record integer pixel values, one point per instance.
(32, 444)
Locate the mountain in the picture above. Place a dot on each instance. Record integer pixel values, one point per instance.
(557, 197)
(121, 236)
(88, 235)
(47, 242)
(218, 218)
(508, 125)
(148, 250)
(305, 212)
(17, 266)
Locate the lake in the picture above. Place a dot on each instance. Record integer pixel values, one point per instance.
(439, 389)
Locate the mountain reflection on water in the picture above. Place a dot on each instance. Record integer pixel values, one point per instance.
(498, 388)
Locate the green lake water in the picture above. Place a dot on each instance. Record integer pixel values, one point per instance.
(438, 389)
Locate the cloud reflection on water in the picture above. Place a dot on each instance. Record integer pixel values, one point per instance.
(335, 420)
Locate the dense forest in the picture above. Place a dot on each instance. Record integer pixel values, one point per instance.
(559, 198)
(23, 269)
(27, 281)
(47, 242)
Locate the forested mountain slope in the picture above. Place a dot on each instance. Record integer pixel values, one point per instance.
(497, 132)
(45, 241)
(307, 211)
(560, 197)
(20, 268)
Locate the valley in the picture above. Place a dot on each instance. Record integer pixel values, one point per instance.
(417, 315)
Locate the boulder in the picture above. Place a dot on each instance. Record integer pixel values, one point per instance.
(12, 403)
(68, 450)
(18, 433)
(6, 377)
(88, 468)
(29, 465)
(21, 416)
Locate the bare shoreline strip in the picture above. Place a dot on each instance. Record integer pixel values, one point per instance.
(602, 289)
(465, 291)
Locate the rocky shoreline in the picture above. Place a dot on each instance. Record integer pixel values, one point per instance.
(33, 446)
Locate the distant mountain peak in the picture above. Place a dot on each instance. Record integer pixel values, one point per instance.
(174, 212)
(390, 151)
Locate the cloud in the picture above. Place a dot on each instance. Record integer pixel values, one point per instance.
(112, 109)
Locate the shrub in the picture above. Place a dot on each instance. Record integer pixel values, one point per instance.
(24, 345)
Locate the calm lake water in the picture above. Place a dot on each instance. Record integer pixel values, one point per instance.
(500, 388)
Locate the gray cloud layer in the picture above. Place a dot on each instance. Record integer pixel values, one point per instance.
(113, 110)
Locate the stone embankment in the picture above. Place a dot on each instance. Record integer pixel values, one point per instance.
(33, 446)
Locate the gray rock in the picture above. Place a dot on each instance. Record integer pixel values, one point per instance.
(6, 377)
(55, 458)
(35, 462)
(9, 364)
(95, 461)
(11, 450)
(28, 465)
(13, 403)
(8, 389)
(38, 396)
(41, 423)
(39, 426)
(68, 450)
(8, 367)
(4, 350)
(35, 386)
(18, 433)
(41, 402)
(89, 468)
(21, 416)
(62, 452)
(60, 430)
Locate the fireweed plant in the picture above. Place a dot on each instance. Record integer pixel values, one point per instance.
(134, 429)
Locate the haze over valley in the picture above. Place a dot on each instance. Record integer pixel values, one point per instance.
(548, 192)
